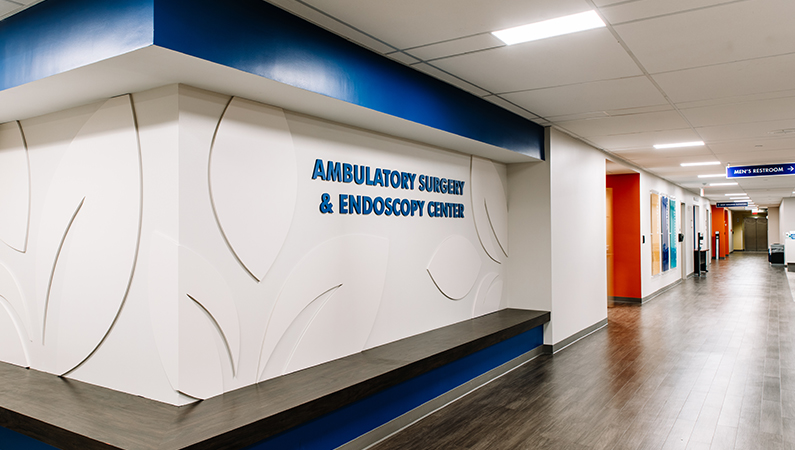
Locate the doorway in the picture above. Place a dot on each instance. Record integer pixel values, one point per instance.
(610, 260)
(755, 234)
(682, 238)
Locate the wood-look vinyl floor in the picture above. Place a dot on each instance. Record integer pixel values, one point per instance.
(709, 364)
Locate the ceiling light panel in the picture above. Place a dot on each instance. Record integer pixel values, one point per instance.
(679, 145)
(549, 28)
(706, 163)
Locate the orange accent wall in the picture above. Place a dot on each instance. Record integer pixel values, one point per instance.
(720, 222)
(626, 234)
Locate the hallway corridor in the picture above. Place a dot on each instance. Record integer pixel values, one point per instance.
(709, 364)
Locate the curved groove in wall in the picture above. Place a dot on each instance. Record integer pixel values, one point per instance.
(483, 238)
(212, 197)
(252, 179)
(454, 267)
(66, 369)
(199, 279)
(54, 266)
(493, 230)
(15, 185)
(288, 344)
(355, 263)
(20, 332)
(162, 284)
(137, 239)
(10, 290)
(490, 222)
(489, 295)
(201, 352)
(219, 330)
(189, 396)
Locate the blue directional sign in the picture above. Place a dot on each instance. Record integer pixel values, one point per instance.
(731, 204)
(763, 170)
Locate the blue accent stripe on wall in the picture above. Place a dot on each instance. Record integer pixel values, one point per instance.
(254, 36)
(11, 440)
(59, 35)
(345, 424)
(257, 37)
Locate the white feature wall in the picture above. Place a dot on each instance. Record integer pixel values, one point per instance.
(173, 243)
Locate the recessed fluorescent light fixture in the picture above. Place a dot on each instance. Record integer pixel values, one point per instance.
(713, 175)
(723, 184)
(548, 28)
(734, 195)
(739, 198)
(679, 145)
(708, 163)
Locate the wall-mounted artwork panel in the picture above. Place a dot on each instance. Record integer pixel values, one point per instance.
(664, 233)
(656, 250)
(673, 227)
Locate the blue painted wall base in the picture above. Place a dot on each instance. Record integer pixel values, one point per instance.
(345, 424)
(11, 440)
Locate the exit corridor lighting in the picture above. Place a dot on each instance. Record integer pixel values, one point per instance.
(679, 145)
(708, 163)
(723, 184)
(549, 28)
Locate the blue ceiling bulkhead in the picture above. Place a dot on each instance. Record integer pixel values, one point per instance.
(255, 37)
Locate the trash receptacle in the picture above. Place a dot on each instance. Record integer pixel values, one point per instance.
(775, 254)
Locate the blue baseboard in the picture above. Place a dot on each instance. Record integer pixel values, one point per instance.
(11, 440)
(345, 424)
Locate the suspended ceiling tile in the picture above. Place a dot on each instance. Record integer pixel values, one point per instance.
(616, 168)
(744, 131)
(579, 116)
(580, 57)
(403, 58)
(757, 76)
(659, 121)
(762, 183)
(752, 111)
(642, 9)
(736, 99)
(611, 113)
(633, 92)
(456, 46)
(750, 145)
(6, 8)
(513, 108)
(758, 157)
(606, 2)
(325, 21)
(712, 35)
(411, 23)
(646, 140)
(646, 155)
(455, 81)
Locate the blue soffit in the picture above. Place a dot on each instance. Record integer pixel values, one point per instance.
(56, 36)
(255, 37)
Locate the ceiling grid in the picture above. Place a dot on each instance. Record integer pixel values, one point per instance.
(720, 71)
